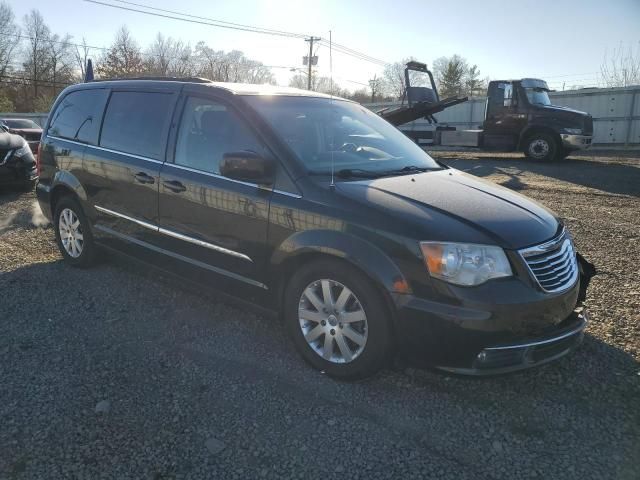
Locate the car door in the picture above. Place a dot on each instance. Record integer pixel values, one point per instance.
(213, 221)
(122, 171)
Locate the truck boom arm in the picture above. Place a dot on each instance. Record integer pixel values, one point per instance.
(423, 102)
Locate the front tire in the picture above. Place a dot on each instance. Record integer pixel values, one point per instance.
(337, 320)
(541, 147)
(73, 233)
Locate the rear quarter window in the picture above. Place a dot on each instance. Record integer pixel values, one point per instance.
(137, 123)
(78, 116)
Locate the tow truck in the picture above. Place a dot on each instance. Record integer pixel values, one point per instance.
(518, 117)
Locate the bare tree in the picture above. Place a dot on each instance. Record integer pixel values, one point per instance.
(9, 39)
(36, 61)
(394, 82)
(81, 56)
(123, 59)
(622, 67)
(375, 85)
(361, 96)
(60, 59)
(169, 57)
(229, 67)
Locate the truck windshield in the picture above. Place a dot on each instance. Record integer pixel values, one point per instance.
(537, 96)
(321, 131)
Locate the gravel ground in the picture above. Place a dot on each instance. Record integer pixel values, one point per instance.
(119, 372)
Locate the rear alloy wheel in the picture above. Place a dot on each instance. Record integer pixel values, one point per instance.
(541, 147)
(73, 233)
(337, 320)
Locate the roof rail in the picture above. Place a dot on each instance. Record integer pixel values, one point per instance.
(166, 79)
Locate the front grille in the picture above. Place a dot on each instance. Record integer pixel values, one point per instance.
(588, 125)
(553, 264)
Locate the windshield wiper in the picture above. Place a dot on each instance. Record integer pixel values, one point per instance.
(357, 172)
(360, 173)
(407, 169)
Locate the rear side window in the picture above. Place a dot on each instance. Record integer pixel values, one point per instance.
(78, 115)
(137, 122)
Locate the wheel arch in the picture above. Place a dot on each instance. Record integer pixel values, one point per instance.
(66, 184)
(533, 129)
(365, 257)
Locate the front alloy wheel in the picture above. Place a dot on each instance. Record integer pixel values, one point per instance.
(338, 319)
(333, 321)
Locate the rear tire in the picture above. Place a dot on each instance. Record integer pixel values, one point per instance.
(347, 335)
(73, 233)
(541, 147)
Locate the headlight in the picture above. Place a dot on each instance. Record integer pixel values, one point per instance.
(22, 151)
(465, 263)
(573, 131)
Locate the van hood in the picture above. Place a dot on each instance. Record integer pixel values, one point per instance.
(450, 205)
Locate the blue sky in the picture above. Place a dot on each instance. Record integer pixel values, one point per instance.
(561, 41)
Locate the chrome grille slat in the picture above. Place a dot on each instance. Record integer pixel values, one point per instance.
(551, 261)
(559, 280)
(562, 266)
(553, 264)
(546, 259)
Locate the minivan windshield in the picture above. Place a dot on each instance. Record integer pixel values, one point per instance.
(537, 96)
(323, 131)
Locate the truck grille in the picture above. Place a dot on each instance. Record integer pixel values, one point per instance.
(553, 264)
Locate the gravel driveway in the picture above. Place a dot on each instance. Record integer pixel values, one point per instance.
(121, 372)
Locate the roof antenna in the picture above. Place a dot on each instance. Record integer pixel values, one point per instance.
(333, 185)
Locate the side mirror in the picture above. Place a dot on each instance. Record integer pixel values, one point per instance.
(248, 167)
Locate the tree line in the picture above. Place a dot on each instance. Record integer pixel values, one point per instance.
(36, 64)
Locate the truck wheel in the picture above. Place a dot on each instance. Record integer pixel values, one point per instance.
(337, 320)
(541, 147)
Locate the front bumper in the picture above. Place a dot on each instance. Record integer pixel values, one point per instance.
(576, 142)
(501, 327)
(528, 353)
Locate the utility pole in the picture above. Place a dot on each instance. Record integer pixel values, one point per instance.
(310, 57)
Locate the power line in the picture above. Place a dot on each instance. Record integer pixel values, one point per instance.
(354, 53)
(62, 42)
(185, 17)
(239, 25)
(198, 20)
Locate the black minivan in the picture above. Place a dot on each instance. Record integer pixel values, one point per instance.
(316, 208)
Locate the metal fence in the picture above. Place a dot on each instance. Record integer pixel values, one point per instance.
(615, 111)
